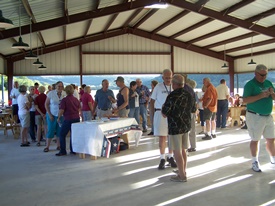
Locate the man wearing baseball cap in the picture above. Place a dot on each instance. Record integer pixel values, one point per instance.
(122, 98)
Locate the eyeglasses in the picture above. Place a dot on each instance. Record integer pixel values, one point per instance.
(262, 75)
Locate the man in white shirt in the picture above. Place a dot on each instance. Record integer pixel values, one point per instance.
(222, 108)
(158, 98)
(14, 95)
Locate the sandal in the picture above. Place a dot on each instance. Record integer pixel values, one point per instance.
(46, 149)
(38, 144)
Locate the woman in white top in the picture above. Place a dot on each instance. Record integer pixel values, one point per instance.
(24, 114)
(53, 100)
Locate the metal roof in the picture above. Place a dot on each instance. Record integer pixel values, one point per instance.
(203, 26)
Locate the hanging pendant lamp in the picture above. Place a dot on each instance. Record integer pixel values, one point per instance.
(42, 67)
(251, 63)
(31, 55)
(224, 66)
(37, 62)
(20, 44)
(5, 23)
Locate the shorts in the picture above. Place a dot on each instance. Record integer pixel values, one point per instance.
(160, 125)
(39, 120)
(25, 120)
(208, 115)
(15, 109)
(259, 126)
(53, 126)
(179, 141)
(124, 112)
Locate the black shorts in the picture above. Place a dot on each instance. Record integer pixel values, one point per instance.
(15, 109)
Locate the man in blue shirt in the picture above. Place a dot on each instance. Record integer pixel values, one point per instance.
(104, 98)
(144, 95)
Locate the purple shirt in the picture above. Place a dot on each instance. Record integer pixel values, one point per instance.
(71, 106)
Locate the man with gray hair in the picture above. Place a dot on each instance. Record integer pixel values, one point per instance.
(259, 96)
(178, 108)
(159, 95)
(209, 102)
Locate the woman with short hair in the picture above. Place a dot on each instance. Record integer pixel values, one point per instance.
(69, 109)
(52, 103)
(87, 104)
(24, 114)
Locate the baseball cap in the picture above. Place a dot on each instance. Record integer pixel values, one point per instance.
(120, 79)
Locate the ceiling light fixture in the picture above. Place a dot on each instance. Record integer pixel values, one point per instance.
(20, 44)
(251, 63)
(31, 55)
(224, 66)
(42, 67)
(160, 5)
(37, 62)
(5, 23)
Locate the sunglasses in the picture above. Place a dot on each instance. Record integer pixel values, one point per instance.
(262, 75)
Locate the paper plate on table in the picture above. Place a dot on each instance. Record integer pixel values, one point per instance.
(94, 121)
(114, 118)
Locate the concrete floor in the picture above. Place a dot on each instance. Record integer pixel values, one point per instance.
(219, 173)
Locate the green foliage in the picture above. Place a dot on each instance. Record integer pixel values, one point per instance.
(21, 81)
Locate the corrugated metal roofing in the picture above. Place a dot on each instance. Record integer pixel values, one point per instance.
(207, 25)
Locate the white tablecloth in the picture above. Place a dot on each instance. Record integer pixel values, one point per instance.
(87, 137)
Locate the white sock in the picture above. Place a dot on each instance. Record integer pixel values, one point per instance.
(208, 133)
(255, 159)
(170, 155)
(162, 156)
(272, 159)
(213, 131)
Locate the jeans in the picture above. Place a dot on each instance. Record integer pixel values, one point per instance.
(222, 113)
(65, 128)
(32, 127)
(87, 115)
(143, 113)
(134, 113)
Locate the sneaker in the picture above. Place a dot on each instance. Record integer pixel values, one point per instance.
(213, 135)
(162, 164)
(202, 132)
(171, 162)
(178, 179)
(145, 130)
(255, 167)
(207, 137)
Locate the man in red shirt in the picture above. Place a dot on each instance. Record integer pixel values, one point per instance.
(209, 102)
(36, 85)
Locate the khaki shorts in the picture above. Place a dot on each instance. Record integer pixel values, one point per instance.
(179, 141)
(25, 120)
(39, 120)
(259, 126)
(160, 124)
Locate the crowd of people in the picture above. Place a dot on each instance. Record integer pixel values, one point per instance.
(172, 104)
